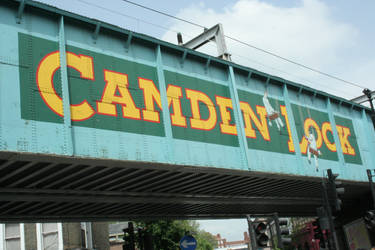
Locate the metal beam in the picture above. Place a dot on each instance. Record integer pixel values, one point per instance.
(15, 208)
(117, 172)
(19, 170)
(57, 172)
(293, 128)
(83, 179)
(336, 138)
(132, 180)
(216, 34)
(239, 121)
(174, 175)
(169, 186)
(32, 175)
(32, 207)
(121, 177)
(68, 136)
(140, 183)
(213, 186)
(209, 183)
(363, 98)
(96, 32)
(67, 177)
(128, 41)
(194, 181)
(224, 200)
(168, 143)
(20, 11)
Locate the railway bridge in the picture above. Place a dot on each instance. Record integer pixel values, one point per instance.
(98, 122)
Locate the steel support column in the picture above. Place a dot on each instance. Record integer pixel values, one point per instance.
(238, 119)
(292, 125)
(335, 133)
(68, 136)
(164, 103)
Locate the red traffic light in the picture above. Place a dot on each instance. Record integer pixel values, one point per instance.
(260, 228)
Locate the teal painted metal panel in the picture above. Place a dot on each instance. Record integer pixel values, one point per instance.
(68, 136)
(135, 98)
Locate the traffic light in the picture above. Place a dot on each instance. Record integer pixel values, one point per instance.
(284, 231)
(260, 234)
(129, 241)
(370, 219)
(318, 233)
(335, 190)
(140, 238)
(317, 230)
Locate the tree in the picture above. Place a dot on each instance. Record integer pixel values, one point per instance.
(168, 233)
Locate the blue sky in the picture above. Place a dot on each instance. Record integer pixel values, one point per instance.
(333, 36)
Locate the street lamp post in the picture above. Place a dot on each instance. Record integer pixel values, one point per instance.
(368, 94)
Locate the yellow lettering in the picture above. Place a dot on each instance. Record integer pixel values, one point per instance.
(116, 81)
(261, 124)
(290, 141)
(174, 94)
(196, 122)
(326, 126)
(224, 104)
(44, 78)
(344, 133)
(306, 126)
(151, 95)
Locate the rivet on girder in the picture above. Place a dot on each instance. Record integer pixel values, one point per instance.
(20, 11)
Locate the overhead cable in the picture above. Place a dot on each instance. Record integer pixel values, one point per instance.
(249, 45)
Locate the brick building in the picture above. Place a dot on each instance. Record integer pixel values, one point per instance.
(222, 243)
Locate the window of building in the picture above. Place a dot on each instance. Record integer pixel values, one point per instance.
(86, 235)
(49, 236)
(12, 237)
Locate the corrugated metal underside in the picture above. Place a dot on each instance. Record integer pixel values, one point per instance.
(41, 187)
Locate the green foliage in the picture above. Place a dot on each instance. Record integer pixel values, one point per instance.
(168, 233)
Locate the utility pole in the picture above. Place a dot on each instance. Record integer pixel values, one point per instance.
(372, 188)
(333, 191)
(251, 233)
(332, 236)
(367, 96)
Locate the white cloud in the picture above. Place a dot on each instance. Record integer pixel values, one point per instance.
(230, 229)
(307, 33)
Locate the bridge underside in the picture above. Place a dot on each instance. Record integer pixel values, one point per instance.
(49, 188)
